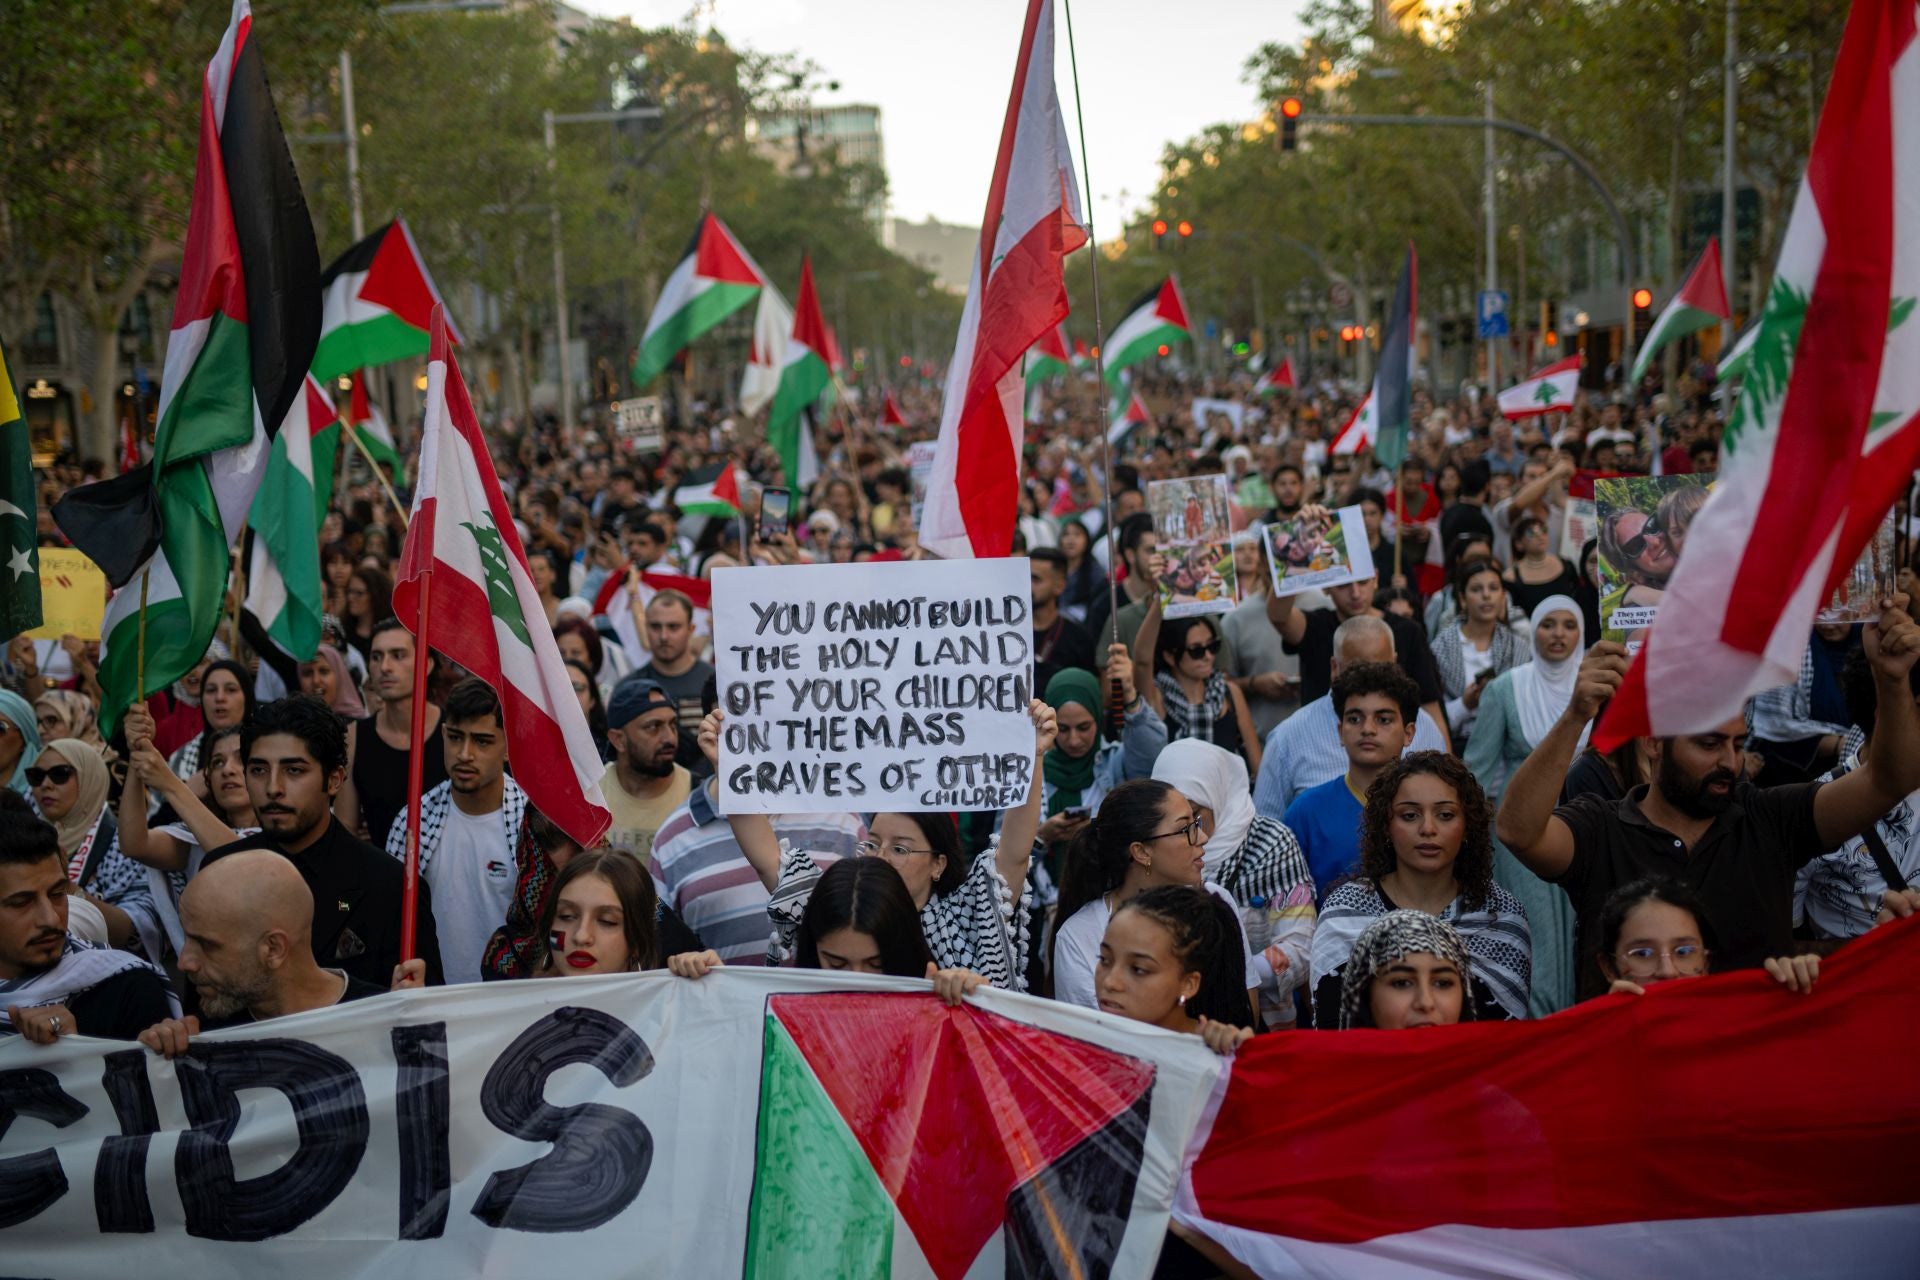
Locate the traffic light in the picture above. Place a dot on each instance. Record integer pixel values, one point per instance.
(1289, 123)
(1642, 311)
(1185, 228)
(1159, 232)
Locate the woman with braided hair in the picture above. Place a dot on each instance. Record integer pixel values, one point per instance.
(1172, 958)
(1426, 842)
(1407, 970)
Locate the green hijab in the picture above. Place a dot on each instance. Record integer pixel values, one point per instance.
(1070, 777)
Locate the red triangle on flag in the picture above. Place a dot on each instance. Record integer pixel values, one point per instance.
(809, 328)
(1170, 306)
(1706, 286)
(357, 408)
(397, 280)
(1283, 376)
(890, 414)
(720, 257)
(956, 1108)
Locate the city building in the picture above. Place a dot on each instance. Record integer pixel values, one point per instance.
(847, 134)
(940, 247)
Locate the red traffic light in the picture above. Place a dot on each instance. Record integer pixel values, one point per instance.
(1290, 108)
(1185, 228)
(906, 362)
(1159, 226)
(1643, 297)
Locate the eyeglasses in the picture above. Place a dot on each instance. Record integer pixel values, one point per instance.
(60, 775)
(1688, 958)
(868, 848)
(1635, 546)
(1191, 831)
(1202, 650)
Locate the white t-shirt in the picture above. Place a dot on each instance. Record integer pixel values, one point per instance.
(471, 876)
(1078, 950)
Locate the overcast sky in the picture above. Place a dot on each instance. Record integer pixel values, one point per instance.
(1152, 71)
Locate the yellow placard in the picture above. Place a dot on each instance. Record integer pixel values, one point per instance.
(73, 595)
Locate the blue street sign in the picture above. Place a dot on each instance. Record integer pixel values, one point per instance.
(1493, 314)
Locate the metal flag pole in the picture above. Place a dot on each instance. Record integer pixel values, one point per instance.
(1116, 713)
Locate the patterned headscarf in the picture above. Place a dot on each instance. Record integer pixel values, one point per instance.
(1393, 936)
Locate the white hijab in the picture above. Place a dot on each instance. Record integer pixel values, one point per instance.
(1542, 689)
(1217, 778)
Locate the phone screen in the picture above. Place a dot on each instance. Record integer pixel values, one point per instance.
(774, 505)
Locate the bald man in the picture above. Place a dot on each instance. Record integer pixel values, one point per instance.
(1304, 750)
(248, 921)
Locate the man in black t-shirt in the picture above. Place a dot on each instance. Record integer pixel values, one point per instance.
(376, 788)
(1738, 846)
(1059, 643)
(248, 920)
(52, 984)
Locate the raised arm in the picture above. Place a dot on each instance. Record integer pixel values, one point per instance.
(1849, 806)
(1526, 825)
(1015, 852)
(1143, 734)
(752, 831)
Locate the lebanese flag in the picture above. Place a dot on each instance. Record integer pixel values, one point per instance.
(1361, 429)
(1715, 1126)
(1131, 421)
(1700, 304)
(1825, 433)
(1158, 319)
(376, 299)
(283, 578)
(713, 279)
(1017, 293)
(806, 372)
(1048, 357)
(890, 415)
(1277, 379)
(483, 611)
(1550, 390)
(246, 320)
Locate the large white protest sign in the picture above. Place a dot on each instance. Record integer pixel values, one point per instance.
(874, 687)
(754, 1123)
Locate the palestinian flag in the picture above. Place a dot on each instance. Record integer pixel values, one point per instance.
(482, 609)
(712, 280)
(710, 491)
(1156, 321)
(772, 328)
(1360, 430)
(378, 296)
(1392, 396)
(890, 415)
(1005, 1150)
(1082, 358)
(1048, 357)
(1550, 390)
(804, 374)
(1277, 379)
(1700, 304)
(364, 417)
(245, 325)
(19, 514)
(1131, 420)
(1825, 434)
(283, 578)
(1534, 1161)
(1735, 360)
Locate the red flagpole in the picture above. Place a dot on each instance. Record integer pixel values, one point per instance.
(416, 763)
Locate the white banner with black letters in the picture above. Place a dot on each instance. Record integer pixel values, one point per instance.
(637, 1125)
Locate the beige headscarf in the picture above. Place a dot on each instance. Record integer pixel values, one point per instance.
(77, 717)
(92, 797)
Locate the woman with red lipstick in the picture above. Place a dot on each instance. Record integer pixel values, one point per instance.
(1426, 843)
(974, 915)
(600, 918)
(1144, 837)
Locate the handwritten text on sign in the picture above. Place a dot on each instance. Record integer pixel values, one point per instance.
(874, 687)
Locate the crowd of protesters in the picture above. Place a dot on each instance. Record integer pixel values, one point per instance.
(1373, 806)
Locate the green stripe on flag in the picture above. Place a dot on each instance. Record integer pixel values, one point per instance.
(19, 528)
(801, 383)
(818, 1207)
(1674, 324)
(378, 340)
(326, 457)
(1141, 347)
(283, 518)
(703, 311)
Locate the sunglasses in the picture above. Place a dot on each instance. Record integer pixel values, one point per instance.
(1202, 650)
(60, 775)
(1637, 544)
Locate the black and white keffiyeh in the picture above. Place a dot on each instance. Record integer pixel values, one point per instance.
(82, 967)
(1191, 719)
(1498, 940)
(433, 816)
(1392, 937)
(982, 925)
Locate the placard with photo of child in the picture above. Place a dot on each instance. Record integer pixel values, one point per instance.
(1196, 537)
(1309, 552)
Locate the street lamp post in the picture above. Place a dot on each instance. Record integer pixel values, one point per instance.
(1493, 275)
(1728, 224)
(550, 119)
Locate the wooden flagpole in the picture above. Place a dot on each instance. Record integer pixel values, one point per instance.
(140, 643)
(416, 762)
(353, 433)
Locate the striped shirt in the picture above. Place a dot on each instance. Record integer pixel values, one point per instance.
(701, 873)
(1305, 751)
